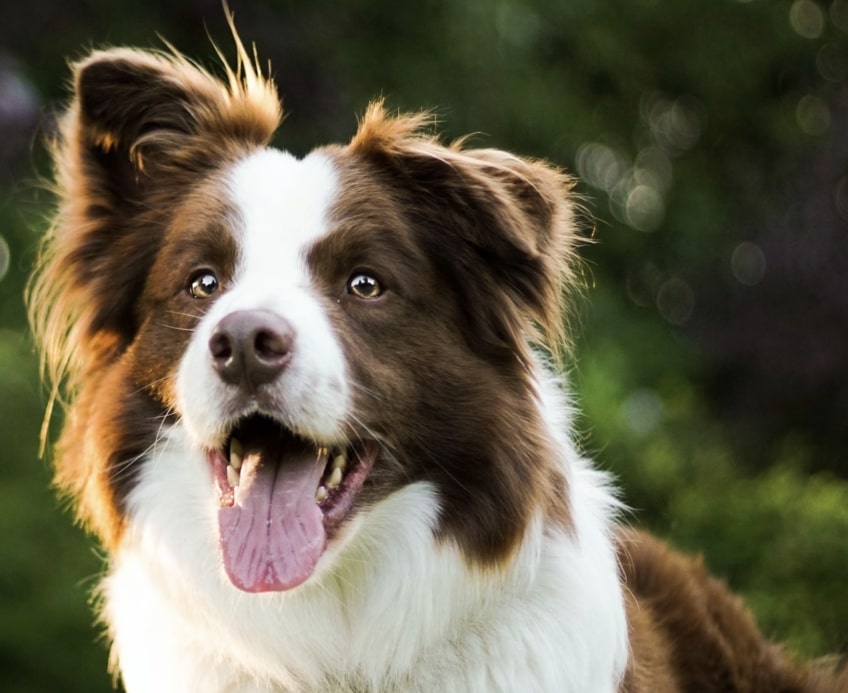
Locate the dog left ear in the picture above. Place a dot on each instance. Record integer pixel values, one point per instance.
(485, 209)
(525, 228)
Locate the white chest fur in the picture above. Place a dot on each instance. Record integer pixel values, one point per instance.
(394, 611)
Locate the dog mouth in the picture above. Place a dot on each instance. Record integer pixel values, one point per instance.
(280, 498)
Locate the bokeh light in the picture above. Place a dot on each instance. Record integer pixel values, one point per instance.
(676, 301)
(5, 257)
(839, 14)
(748, 263)
(642, 411)
(832, 62)
(806, 18)
(813, 115)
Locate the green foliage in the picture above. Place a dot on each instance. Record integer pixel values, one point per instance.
(777, 536)
(46, 566)
(695, 126)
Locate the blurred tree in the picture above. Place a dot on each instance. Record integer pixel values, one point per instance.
(710, 140)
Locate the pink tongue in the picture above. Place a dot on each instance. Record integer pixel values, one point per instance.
(273, 535)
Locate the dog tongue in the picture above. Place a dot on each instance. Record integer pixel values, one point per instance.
(273, 535)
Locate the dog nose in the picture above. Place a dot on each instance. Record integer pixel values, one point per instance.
(251, 347)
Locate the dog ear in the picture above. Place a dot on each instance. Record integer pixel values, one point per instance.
(501, 228)
(524, 226)
(139, 116)
(142, 129)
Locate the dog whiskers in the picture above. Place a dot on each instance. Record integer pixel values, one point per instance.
(122, 469)
(175, 327)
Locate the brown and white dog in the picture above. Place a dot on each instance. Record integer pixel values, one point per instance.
(309, 417)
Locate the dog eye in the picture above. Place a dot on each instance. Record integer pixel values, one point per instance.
(203, 284)
(364, 286)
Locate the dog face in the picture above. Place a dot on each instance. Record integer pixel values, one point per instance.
(325, 331)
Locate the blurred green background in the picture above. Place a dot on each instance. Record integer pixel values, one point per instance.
(711, 138)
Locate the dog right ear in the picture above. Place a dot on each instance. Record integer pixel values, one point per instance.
(138, 116)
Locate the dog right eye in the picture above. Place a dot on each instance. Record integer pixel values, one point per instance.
(203, 284)
(364, 286)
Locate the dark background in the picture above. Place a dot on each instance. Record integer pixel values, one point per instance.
(712, 338)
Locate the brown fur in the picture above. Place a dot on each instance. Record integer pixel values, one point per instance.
(133, 205)
(118, 174)
(497, 232)
(689, 633)
(499, 189)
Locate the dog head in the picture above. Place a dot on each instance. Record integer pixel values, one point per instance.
(325, 331)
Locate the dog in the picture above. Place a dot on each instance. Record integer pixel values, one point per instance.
(314, 417)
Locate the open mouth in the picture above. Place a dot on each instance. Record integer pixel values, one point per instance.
(280, 497)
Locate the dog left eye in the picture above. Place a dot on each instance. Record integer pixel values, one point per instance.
(203, 284)
(364, 286)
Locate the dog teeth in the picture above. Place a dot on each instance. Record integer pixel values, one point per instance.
(236, 453)
(335, 477)
(338, 464)
(236, 460)
(340, 461)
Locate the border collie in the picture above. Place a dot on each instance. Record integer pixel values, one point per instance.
(310, 415)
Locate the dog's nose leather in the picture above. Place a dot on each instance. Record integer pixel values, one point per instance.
(250, 348)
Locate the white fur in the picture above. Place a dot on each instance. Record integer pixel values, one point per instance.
(393, 609)
(281, 203)
(396, 611)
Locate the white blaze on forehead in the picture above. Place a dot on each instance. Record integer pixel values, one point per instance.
(280, 208)
(283, 203)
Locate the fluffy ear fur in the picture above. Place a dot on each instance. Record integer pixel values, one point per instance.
(515, 214)
(142, 114)
(140, 129)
